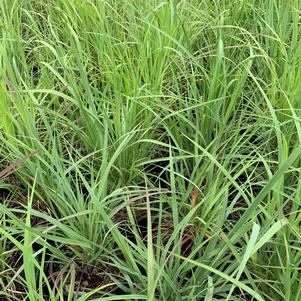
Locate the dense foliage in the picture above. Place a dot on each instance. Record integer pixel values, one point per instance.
(150, 150)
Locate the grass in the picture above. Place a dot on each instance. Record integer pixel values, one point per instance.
(150, 150)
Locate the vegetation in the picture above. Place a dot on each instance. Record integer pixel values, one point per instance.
(150, 150)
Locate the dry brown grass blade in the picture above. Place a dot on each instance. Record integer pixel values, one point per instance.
(195, 196)
(6, 171)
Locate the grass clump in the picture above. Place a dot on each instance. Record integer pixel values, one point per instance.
(150, 150)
